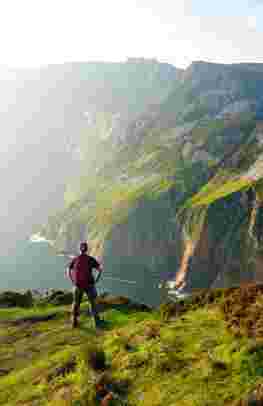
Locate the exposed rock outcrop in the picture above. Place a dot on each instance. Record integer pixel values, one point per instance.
(16, 299)
(59, 298)
(197, 148)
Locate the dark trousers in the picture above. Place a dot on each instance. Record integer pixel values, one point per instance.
(78, 293)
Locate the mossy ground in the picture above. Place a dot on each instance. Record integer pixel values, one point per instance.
(142, 358)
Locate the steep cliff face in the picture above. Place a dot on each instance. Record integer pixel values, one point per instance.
(231, 204)
(144, 249)
(170, 170)
(44, 114)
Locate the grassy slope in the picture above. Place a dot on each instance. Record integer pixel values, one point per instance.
(147, 169)
(193, 359)
(104, 199)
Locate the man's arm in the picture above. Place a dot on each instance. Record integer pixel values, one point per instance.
(94, 264)
(69, 269)
(99, 269)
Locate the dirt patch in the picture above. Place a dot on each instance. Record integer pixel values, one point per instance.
(7, 340)
(242, 307)
(63, 396)
(243, 310)
(62, 370)
(31, 319)
(4, 372)
(151, 331)
(253, 399)
(110, 300)
(198, 299)
(119, 302)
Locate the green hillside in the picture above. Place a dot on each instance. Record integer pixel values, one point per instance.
(143, 160)
(46, 114)
(199, 352)
(43, 114)
(146, 196)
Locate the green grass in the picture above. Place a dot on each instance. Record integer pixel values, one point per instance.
(16, 313)
(212, 192)
(33, 352)
(191, 360)
(195, 361)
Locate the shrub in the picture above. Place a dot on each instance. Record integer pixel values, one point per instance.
(15, 299)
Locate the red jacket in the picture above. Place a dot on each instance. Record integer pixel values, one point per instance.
(80, 270)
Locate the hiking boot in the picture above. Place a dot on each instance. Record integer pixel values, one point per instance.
(75, 324)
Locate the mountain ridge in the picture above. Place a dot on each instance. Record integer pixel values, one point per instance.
(204, 122)
(142, 134)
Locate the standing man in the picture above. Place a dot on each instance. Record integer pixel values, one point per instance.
(80, 273)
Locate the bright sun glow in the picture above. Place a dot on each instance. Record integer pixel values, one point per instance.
(36, 32)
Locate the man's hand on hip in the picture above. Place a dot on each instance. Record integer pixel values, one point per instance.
(99, 274)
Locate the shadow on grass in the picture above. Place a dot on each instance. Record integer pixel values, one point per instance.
(111, 316)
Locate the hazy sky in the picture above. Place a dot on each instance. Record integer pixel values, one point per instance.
(36, 32)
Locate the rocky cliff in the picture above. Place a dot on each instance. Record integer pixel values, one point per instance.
(169, 168)
(138, 204)
(44, 115)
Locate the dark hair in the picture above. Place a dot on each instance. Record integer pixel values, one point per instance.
(83, 246)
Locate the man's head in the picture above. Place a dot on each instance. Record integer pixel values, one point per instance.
(83, 247)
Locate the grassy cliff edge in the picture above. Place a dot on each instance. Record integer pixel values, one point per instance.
(203, 351)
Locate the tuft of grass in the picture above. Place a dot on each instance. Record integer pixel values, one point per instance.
(94, 356)
(189, 358)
